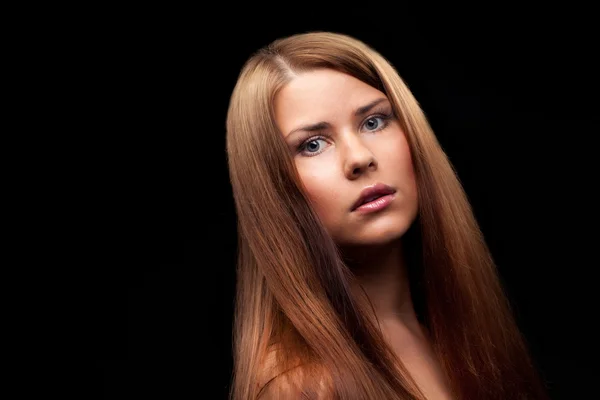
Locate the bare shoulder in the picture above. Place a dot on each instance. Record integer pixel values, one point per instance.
(296, 380)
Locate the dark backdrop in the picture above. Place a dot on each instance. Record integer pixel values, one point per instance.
(510, 94)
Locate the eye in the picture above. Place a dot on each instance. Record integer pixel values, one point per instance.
(311, 147)
(374, 123)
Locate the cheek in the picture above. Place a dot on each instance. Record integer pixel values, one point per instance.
(408, 172)
(408, 165)
(399, 158)
(322, 190)
(320, 194)
(395, 153)
(403, 156)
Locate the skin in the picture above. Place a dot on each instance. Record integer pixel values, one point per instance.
(335, 163)
(357, 153)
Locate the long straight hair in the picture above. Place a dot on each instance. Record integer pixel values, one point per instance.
(297, 317)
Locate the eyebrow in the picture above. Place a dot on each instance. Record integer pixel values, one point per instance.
(319, 126)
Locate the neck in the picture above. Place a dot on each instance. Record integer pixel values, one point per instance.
(382, 272)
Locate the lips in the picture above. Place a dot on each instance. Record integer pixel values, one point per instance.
(371, 193)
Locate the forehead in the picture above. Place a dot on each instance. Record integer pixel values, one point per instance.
(321, 95)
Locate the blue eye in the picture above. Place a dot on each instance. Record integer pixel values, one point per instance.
(309, 147)
(374, 123)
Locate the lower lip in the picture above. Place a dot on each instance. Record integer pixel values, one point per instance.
(376, 205)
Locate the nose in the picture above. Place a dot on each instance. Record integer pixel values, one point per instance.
(359, 159)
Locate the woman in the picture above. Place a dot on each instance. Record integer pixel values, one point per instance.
(362, 272)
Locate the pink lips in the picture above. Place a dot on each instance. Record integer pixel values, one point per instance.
(374, 198)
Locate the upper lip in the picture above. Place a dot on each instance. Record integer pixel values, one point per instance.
(376, 190)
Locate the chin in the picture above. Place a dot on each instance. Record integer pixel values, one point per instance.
(379, 232)
(373, 236)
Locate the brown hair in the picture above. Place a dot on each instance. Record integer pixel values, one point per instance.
(298, 326)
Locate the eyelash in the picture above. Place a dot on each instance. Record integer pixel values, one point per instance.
(385, 121)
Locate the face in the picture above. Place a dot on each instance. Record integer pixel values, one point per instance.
(345, 138)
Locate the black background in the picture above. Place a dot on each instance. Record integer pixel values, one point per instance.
(511, 95)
